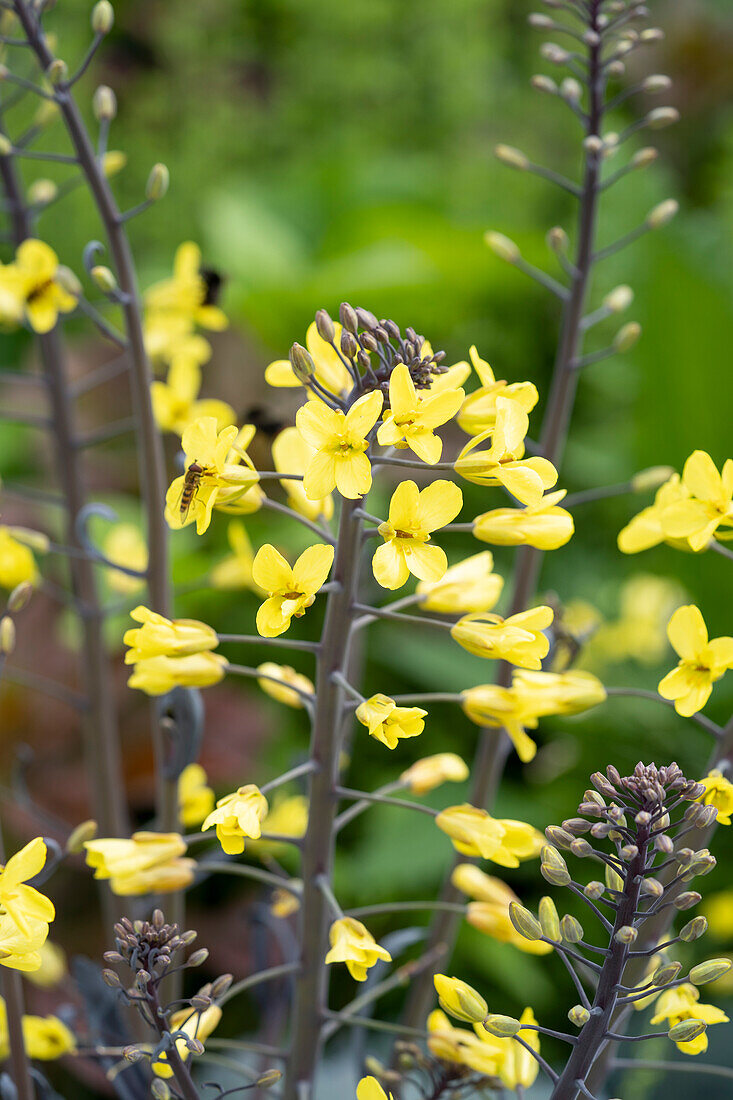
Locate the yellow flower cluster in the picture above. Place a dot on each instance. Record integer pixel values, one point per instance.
(170, 653)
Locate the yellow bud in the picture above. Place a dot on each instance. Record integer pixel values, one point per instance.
(542, 83)
(627, 336)
(549, 919)
(113, 162)
(666, 973)
(557, 239)
(657, 82)
(78, 837)
(525, 923)
(158, 181)
(459, 999)
(20, 596)
(104, 103)
(302, 363)
(42, 192)
(694, 929)
(68, 280)
(651, 34)
(502, 247)
(7, 635)
(507, 154)
(503, 1027)
(578, 1015)
(103, 17)
(104, 278)
(57, 71)
(570, 89)
(269, 1077)
(619, 299)
(627, 934)
(686, 1031)
(709, 971)
(159, 1090)
(662, 213)
(571, 929)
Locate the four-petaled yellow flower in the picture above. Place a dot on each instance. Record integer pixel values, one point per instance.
(682, 1003)
(542, 525)
(478, 413)
(195, 796)
(518, 639)
(475, 833)
(340, 444)
(468, 586)
(411, 421)
(430, 772)
(186, 294)
(489, 912)
(702, 662)
(279, 682)
(25, 906)
(238, 815)
(235, 570)
(291, 455)
(147, 863)
(708, 506)
(369, 1088)
(209, 471)
(413, 515)
(290, 590)
(645, 529)
(503, 462)
(389, 723)
(353, 944)
(718, 793)
(194, 1025)
(30, 287)
(176, 402)
(329, 367)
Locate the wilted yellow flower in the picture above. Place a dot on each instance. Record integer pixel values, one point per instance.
(159, 675)
(235, 570)
(702, 662)
(17, 564)
(411, 421)
(339, 441)
(195, 796)
(459, 999)
(708, 505)
(278, 681)
(196, 1025)
(682, 1003)
(329, 367)
(290, 590)
(489, 912)
(503, 462)
(291, 455)
(53, 966)
(389, 723)
(475, 833)
(468, 586)
(518, 639)
(176, 402)
(718, 793)
(159, 636)
(427, 774)
(353, 944)
(146, 863)
(238, 815)
(369, 1088)
(478, 412)
(413, 515)
(186, 294)
(125, 545)
(542, 525)
(444, 1039)
(30, 288)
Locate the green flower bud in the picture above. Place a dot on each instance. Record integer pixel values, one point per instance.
(268, 1078)
(113, 162)
(348, 318)
(662, 213)
(542, 83)
(78, 837)
(303, 366)
(627, 336)
(104, 103)
(159, 1090)
(42, 192)
(514, 158)
(644, 157)
(68, 280)
(652, 887)
(651, 34)
(650, 479)
(503, 1027)
(694, 929)
(198, 958)
(6, 146)
(103, 17)
(460, 1000)
(57, 71)
(578, 1015)
(549, 919)
(687, 900)
(558, 240)
(158, 182)
(709, 971)
(104, 278)
(524, 922)
(619, 299)
(627, 935)
(613, 880)
(571, 929)
(594, 890)
(666, 973)
(657, 82)
(20, 596)
(581, 848)
(220, 985)
(561, 838)
(686, 1031)
(7, 635)
(325, 326)
(503, 247)
(554, 875)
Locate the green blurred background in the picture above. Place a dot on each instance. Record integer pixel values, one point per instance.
(328, 151)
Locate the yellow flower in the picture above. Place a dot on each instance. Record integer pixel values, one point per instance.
(159, 675)
(235, 570)
(413, 515)
(29, 287)
(53, 966)
(369, 1088)
(389, 723)
(283, 904)
(209, 472)
(125, 545)
(353, 944)
(291, 455)
(709, 505)
(22, 950)
(503, 463)
(46, 1038)
(176, 402)
(645, 529)
(489, 912)
(147, 863)
(475, 833)
(478, 413)
(290, 590)
(718, 793)
(677, 1005)
(542, 525)
(468, 586)
(288, 816)
(427, 774)
(411, 421)
(445, 1040)
(187, 293)
(170, 339)
(339, 441)
(278, 682)
(330, 370)
(159, 636)
(518, 639)
(23, 904)
(516, 1065)
(238, 815)
(459, 999)
(195, 796)
(195, 1025)
(702, 661)
(17, 564)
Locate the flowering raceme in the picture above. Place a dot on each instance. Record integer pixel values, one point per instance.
(353, 944)
(290, 590)
(30, 288)
(389, 723)
(339, 441)
(469, 586)
(238, 815)
(702, 662)
(542, 525)
(147, 863)
(518, 639)
(411, 421)
(503, 462)
(478, 412)
(413, 516)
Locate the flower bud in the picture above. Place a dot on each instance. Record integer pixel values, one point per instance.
(554, 53)
(549, 919)
(651, 34)
(198, 958)
(524, 922)
(503, 247)
(558, 240)
(348, 318)
(195, 1046)
(302, 363)
(104, 278)
(709, 971)
(657, 82)
(594, 890)
(554, 875)
(628, 852)
(103, 17)
(104, 103)
(159, 1090)
(42, 192)
(57, 71)
(78, 837)
(325, 326)
(571, 929)
(110, 978)
(666, 973)
(627, 336)
(158, 183)
(200, 1002)
(503, 1027)
(460, 1000)
(619, 299)
(20, 596)
(268, 1078)
(626, 934)
(687, 900)
(578, 1015)
(133, 1054)
(542, 83)
(664, 844)
(7, 635)
(661, 117)
(686, 1031)
(559, 837)
(68, 280)
(616, 68)
(539, 21)
(581, 848)
(220, 985)
(571, 90)
(576, 825)
(613, 880)
(646, 481)
(652, 887)
(694, 929)
(514, 158)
